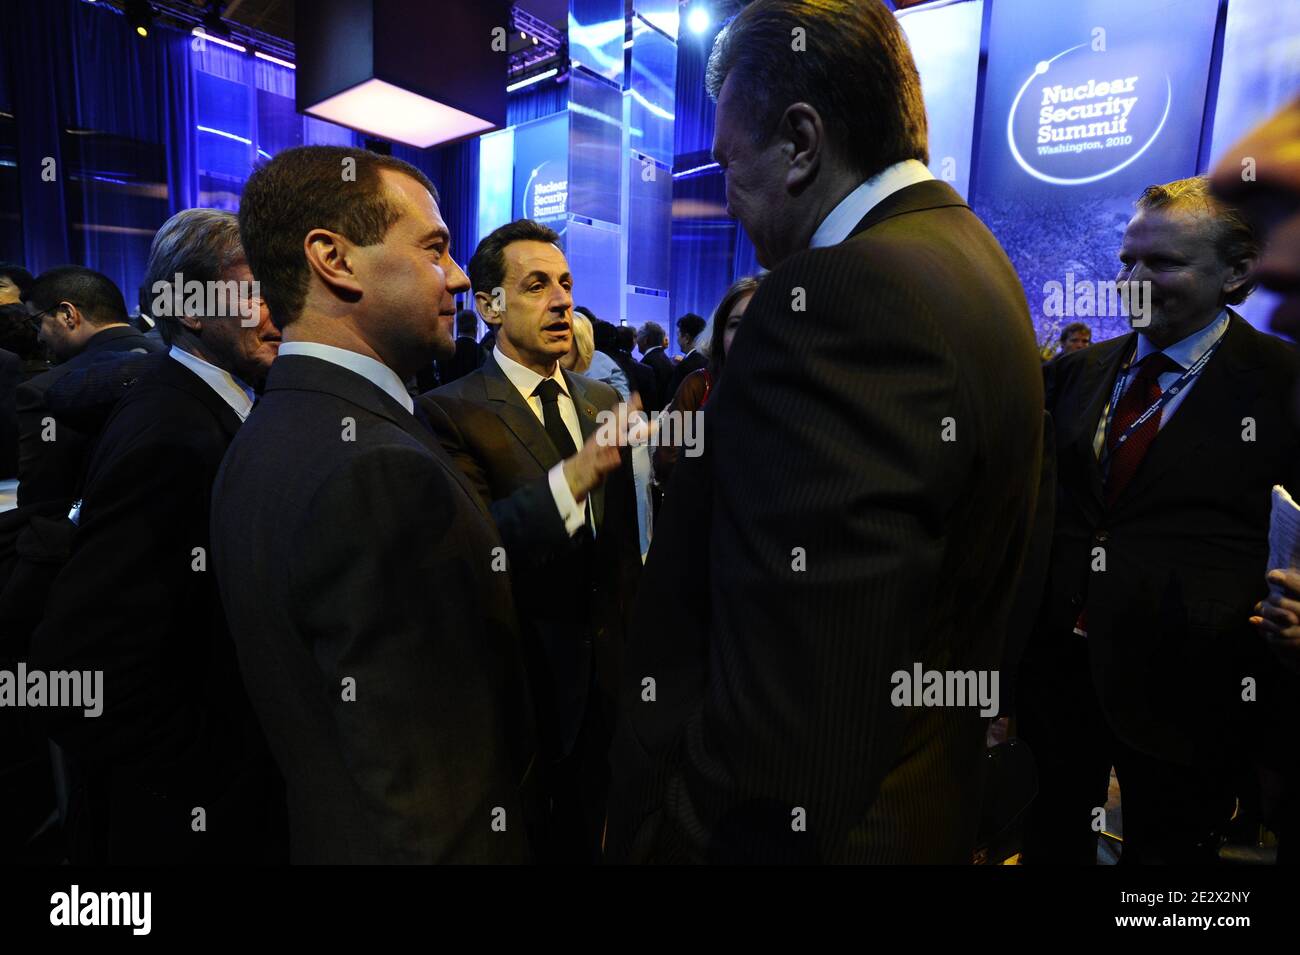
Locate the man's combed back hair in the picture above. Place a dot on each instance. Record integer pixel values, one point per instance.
(487, 269)
(1235, 239)
(199, 245)
(306, 188)
(851, 63)
(99, 300)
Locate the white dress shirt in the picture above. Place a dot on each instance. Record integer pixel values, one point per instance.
(526, 381)
(228, 388)
(835, 228)
(376, 372)
(1185, 354)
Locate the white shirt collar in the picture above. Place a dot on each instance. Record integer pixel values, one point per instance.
(1188, 351)
(376, 372)
(835, 228)
(228, 388)
(525, 379)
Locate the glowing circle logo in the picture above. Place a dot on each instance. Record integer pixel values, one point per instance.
(1082, 116)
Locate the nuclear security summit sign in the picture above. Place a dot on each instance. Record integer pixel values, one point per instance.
(1083, 115)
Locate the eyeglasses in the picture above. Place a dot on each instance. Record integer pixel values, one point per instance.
(35, 318)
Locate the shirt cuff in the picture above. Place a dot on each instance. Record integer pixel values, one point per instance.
(572, 513)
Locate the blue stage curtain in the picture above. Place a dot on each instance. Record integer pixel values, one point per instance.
(33, 40)
(102, 104)
(534, 102)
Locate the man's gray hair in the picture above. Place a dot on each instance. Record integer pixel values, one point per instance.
(199, 245)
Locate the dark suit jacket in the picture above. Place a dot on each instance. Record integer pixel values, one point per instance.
(1185, 548)
(640, 378)
(574, 599)
(11, 367)
(379, 648)
(468, 357)
(51, 470)
(692, 362)
(658, 361)
(829, 537)
(134, 601)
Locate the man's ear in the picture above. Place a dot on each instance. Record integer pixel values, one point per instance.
(803, 143)
(328, 256)
(1239, 274)
(70, 316)
(490, 306)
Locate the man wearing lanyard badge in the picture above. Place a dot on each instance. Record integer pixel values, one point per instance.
(1169, 440)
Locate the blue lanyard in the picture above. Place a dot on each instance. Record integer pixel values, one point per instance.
(1185, 379)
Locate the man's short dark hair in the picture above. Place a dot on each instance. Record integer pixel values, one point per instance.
(466, 323)
(99, 300)
(651, 335)
(604, 335)
(312, 187)
(1073, 327)
(625, 335)
(487, 268)
(852, 65)
(691, 324)
(18, 275)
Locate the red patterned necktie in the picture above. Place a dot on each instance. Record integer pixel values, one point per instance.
(1126, 456)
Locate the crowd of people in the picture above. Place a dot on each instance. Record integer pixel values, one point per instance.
(362, 587)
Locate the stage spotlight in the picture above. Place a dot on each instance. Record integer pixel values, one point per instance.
(139, 14)
(698, 19)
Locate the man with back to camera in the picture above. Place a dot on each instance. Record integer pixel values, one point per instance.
(833, 534)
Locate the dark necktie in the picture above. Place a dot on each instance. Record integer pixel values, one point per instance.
(549, 392)
(1126, 456)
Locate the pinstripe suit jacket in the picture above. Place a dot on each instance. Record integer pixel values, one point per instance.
(863, 503)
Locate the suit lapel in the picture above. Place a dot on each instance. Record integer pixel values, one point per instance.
(177, 375)
(1098, 381)
(515, 413)
(1212, 408)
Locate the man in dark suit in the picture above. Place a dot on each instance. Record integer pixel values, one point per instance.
(527, 435)
(689, 328)
(653, 342)
(81, 313)
(867, 486)
(1169, 440)
(174, 769)
(378, 644)
(469, 353)
(640, 377)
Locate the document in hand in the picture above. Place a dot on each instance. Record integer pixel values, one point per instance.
(1284, 531)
